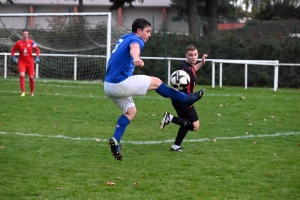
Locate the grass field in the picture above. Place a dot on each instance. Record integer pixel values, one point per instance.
(248, 145)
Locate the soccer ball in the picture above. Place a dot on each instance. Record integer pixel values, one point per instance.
(180, 79)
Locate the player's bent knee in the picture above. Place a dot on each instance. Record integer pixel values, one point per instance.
(131, 112)
(155, 83)
(196, 125)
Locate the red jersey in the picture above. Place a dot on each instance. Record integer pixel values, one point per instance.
(25, 50)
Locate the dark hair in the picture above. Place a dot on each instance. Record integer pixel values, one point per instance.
(25, 30)
(140, 23)
(190, 47)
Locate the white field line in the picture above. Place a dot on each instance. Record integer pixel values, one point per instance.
(56, 81)
(101, 96)
(151, 97)
(153, 141)
(58, 94)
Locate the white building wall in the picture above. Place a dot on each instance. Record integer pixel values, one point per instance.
(144, 3)
(152, 10)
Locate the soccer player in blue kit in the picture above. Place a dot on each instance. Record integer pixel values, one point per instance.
(120, 84)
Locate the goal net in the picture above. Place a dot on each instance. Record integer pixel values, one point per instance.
(74, 46)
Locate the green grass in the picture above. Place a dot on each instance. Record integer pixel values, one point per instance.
(48, 147)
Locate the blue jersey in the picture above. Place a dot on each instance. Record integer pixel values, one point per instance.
(120, 65)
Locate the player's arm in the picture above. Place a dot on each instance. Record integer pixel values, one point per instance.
(200, 64)
(37, 52)
(135, 54)
(12, 53)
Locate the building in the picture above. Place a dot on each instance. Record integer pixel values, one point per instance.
(153, 10)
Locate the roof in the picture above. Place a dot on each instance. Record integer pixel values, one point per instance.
(138, 3)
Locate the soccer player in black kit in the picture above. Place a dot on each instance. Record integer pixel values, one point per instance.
(187, 115)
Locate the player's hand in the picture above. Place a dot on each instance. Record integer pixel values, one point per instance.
(15, 59)
(203, 58)
(138, 63)
(37, 59)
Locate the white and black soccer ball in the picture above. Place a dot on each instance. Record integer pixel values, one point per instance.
(180, 79)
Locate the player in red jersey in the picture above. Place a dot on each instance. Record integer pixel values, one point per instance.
(26, 61)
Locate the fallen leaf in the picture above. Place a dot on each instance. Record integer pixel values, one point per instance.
(215, 140)
(120, 177)
(254, 142)
(135, 183)
(58, 188)
(110, 183)
(98, 140)
(274, 154)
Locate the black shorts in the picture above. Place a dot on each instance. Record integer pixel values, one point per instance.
(184, 111)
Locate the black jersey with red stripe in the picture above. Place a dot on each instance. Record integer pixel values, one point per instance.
(190, 69)
(180, 107)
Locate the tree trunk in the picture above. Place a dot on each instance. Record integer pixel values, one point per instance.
(193, 17)
(211, 14)
(80, 6)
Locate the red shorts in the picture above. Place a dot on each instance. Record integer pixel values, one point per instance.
(27, 67)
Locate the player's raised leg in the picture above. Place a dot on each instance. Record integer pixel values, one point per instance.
(167, 92)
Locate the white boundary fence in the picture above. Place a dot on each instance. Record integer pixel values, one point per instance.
(274, 63)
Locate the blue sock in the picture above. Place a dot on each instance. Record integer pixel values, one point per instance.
(122, 123)
(167, 92)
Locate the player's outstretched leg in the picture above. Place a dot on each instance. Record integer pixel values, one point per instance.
(165, 120)
(115, 149)
(188, 99)
(193, 97)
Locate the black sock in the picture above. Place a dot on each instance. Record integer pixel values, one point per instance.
(180, 135)
(183, 123)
